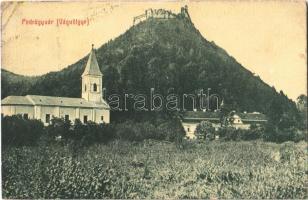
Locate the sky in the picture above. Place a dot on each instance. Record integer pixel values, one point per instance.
(266, 37)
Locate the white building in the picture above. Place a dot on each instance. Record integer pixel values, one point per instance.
(192, 119)
(91, 107)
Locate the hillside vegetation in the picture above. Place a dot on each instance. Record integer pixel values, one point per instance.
(14, 84)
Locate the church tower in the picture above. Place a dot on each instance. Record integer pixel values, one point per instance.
(92, 80)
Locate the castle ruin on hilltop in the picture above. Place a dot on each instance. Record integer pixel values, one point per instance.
(161, 14)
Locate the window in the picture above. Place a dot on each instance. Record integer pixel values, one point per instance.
(188, 130)
(85, 88)
(102, 118)
(94, 87)
(26, 116)
(47, 118)
(85, 119)
(67, 117)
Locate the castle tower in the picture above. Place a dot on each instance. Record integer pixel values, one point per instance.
(184, 11)
(92, 80)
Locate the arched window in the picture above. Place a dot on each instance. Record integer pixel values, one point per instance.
(94, 87)
(85, 88)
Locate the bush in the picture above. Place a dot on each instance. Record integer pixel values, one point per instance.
(27, 132)
(229, 134)
(274, 134)
(91, 132)
(255, 132)
(58, 128)
(232, 134)
(83, 134)
(17, 131)
(129, 131)
(138, 131)
(205, 130)
(171, 131)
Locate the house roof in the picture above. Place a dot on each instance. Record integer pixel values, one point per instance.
(199, 116)
(252, 116)
(215, 116)
(92, 67)
(52, 101)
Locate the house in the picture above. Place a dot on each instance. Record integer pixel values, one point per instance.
(191, 119)
(90, 107)
(245, 120)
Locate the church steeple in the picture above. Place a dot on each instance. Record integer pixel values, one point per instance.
(92, 79)
(92, 67)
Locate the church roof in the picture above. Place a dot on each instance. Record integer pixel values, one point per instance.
(92, 67)
(16, 100)
(52, 101)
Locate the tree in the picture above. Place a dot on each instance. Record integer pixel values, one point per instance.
(111, 80)
(302, 102)
(276, 110)
(302, 107)
(302, 99)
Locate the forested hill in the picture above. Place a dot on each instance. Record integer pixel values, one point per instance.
(14, 84)
(164, 54)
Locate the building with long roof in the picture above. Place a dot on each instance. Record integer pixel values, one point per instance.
(191, 119)
(90, 107)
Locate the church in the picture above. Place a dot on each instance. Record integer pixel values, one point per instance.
(90, 107)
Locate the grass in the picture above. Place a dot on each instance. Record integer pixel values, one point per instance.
(157, 170)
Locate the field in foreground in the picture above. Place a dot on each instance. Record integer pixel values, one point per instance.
(157, 170)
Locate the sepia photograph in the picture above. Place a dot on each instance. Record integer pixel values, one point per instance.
(153, 99)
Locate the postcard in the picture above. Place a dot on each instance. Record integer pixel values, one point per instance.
(154, 99)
